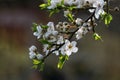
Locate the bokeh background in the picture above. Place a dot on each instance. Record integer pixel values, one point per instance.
(95, 60)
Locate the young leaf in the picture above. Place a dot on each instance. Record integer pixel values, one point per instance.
(36, 62)
(48, 2)
(70, 17)
(34, 29)
(41, 66)
(43, 6)
(108, 19)
(53, 12)
(97, 37)
(43, 41)
(62, 60)
(44, 26)
(35, 66)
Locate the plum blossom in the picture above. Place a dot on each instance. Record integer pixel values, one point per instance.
(39, 56)
(56, 52)
(54, 4)
(60, 40)
(32, 53)
(52, 38)
(81, 32)
(38, 33)
(46, 48)
(62, 26)
(98, 4)
(78, 3)
(78, 21)
(50, 30)
(69, 47)
(32, 48)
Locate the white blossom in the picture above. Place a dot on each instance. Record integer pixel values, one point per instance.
(54, 3)
(50, 30)
(38, 33)
(46, 48)
(32, 48)
(81, 32)
(60, 40)
(52, 39)
(98, 4)
(99, 8)
(39, 56)
(56, 52)
(78, 21)
(69, 47)
(78, 3)
(32, 53)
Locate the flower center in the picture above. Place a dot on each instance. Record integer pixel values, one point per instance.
(70, 46)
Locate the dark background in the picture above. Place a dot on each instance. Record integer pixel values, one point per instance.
(95, 60)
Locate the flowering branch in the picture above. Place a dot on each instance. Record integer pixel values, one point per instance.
(56, 39)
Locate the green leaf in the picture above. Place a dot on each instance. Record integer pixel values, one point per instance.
(43, 41)
(69, 15)
(34, 27)
(36, 62)
(97, 37)
(41, 66)
(53, 11)
(62, 60)
(71, 8)
(108, 19)
(43, 6)
(35, 66)
(62, 2)
(48, 2)
(44, 26)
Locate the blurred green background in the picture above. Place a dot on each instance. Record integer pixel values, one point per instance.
(95, 60)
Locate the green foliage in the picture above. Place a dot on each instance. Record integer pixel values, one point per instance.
(38, 64)
(62, 59)
(43, 41)
(107, 18)
(97, 37)
(43, 6)
(70, 17)
(53, 11)
(44, 26)
(35, 61)
(71, 8)
(34, 29)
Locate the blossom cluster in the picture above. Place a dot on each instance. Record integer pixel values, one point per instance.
(96, 4)
(57, 38)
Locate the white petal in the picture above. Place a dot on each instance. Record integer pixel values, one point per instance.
(73, 43)
(68, 52)
(55, 33)
(32, 48)
(39, 56)
(32, 55)
(75, 49)
(56, 52)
